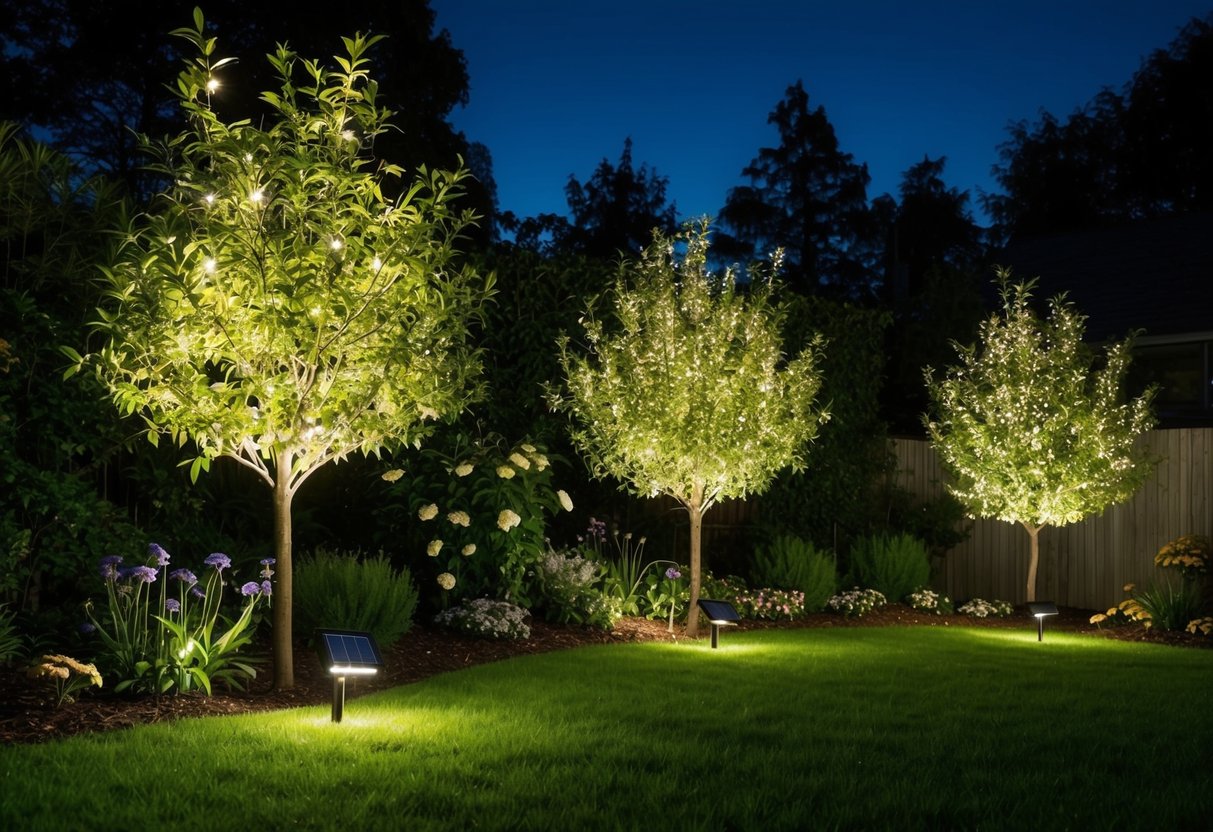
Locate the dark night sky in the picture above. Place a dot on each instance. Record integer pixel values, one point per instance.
(557, 85)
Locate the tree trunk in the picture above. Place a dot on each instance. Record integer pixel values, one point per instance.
(1033, 558)
(696, 517)
(284, 663)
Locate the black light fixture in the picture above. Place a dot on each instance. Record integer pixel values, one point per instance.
(720, 614)
(1041, 610)
(347, 653)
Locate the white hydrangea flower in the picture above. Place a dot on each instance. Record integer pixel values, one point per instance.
(428, 512)
(520, 461)
(447, 581)
(459, 518)
(434, 548)
(392, 475)
(505, 472)
(507, 520)
(468, 550)
(463, 469)
(566, 501)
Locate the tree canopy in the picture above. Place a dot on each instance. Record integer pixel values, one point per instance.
(276, 307)
(1031, 428)
(686, 392)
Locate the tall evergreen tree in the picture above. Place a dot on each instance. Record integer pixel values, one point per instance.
(807, 197)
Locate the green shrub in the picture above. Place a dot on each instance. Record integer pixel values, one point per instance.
(351, 592)
(789, 562)
(894, 565)
(10, 641)
(1169, 605)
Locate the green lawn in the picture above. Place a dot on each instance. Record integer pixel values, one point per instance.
(788, 729)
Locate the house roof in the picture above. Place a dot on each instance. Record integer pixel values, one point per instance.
(1154, 275)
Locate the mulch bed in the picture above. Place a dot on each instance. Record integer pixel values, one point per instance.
(27, 714)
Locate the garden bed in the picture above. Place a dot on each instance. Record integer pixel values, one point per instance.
(26, 713)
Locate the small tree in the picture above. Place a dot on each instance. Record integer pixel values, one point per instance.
(277, 307)
(1030, 428)
(690, 395)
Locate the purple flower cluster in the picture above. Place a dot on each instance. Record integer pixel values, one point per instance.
(218, 560)
(172, 605)
(183, 575)
(109, 567)
(251, 588)
(267, 588)
(143, 574)
(156, 551)
(596, 531)
(673, 574)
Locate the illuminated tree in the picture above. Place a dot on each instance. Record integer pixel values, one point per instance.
(690, 394)
(1032, 428)
(275, 307)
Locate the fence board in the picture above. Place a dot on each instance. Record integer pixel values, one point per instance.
(1085, 564)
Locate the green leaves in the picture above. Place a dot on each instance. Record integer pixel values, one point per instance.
(1032, 426)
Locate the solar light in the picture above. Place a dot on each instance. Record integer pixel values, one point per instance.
(1040, 610)
(720, 614)
(347, 653)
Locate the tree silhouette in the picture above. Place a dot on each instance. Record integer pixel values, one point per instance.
(807, 197)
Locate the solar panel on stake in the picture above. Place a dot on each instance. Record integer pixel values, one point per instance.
(720, 614)
(347, 653)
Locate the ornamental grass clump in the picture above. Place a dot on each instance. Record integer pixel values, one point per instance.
(856, 603)
(66, 675)
(351, 591)
(930, 601)
(981, 608)
(174, 638)
(789, 562)
(486, 618)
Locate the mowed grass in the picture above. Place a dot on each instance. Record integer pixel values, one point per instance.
(897, 728)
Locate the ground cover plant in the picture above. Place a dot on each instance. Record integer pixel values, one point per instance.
(930, 727)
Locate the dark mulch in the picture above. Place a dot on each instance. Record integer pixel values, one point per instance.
(27, 715)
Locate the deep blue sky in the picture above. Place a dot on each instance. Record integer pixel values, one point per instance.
(557, 85)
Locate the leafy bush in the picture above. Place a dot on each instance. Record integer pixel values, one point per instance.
(980, 608)
(771, 604)
(487, 618)
(10, 641)
(894, 565)
(928, 600)
(1165, 604)
(856, 602)
(568, 586)
(666, 595)
(155, 643)
(349, 592)
(789, 562)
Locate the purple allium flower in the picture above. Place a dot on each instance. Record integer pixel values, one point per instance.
(267, 588)
(172, 605)
(673, 574)
(251, 588)
(156, 551)
(145, 574)
(218, 560)
(183, 575)
(267, 567)
(87, 628)
(268, 561)
(109, 567)
(196, 592)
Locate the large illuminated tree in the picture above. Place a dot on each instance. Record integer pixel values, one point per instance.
(1032, 427)
(686, 391)
(276, 305)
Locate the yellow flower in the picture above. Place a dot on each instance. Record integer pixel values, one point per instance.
(1130, 587)
(520, 461)
(505, 472)
(541, 462)
(392, 475)
(434, 548)
(446, 580)
(463, 469)
(530, 449)
(1098, 617)
(427, 512)
(507, 520)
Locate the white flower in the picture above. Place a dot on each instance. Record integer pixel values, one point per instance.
(468, 550)
(541, 462)
(507, 520)
(427, 412)
(505, 472)
(463, 469)
(565, 500)
(520, 461)
(393, 475)
(530, 449)
(427, 512)
(434, 548)
(446, 580)
(459, 518)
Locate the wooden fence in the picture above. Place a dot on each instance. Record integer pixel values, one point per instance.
(1085, 564)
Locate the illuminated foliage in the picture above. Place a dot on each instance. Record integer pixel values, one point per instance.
(277, 307)
(1032, 429)
(690, 394)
